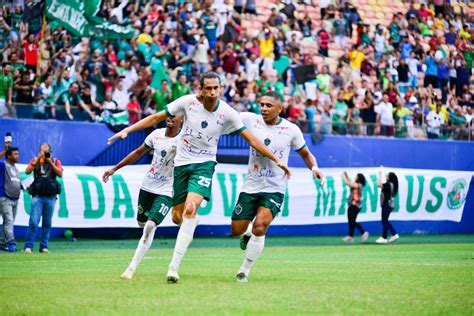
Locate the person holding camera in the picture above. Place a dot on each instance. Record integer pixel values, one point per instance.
(44, 191)
(10, 188)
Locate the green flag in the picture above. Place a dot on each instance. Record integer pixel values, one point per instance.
(79, 17)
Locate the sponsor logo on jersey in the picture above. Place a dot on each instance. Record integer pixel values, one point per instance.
(163, 153)
(267, 141)
(204, 124)
(238, 209)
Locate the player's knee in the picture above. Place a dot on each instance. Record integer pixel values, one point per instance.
(141, 224)
(190, 210)
(259, 229)
(177, 218)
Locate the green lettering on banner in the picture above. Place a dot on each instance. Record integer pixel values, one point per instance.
(430, 206)
(285, 210)
(228, 206)
(324, 196)
(63, 212)
(343, 206)
(370, 193)
(205, 210)
(26, 195)
(411, 208)
(89, 212)
(126, 200)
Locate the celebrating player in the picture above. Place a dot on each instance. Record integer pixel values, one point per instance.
(155, 197)
(263, 190)
(206, 119)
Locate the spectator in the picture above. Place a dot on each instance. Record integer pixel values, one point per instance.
(72, 102)
(341, 30)
(6, 91)
(134, 110)
(367, 113)
(43, 191)
(339, 115)
(356, 57)
(434, 121)
(384, 116)
(10, 188)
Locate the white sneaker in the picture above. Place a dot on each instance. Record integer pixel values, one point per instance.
(348, 239)
(127, 274)
(381, 240)
(365, 236)
(393, 238)
(241, 278)
(172, 275)
(28, 251)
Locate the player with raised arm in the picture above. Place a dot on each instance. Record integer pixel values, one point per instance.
(265, 185)
(206, 118)
(155, 197)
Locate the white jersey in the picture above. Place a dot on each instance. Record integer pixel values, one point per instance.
(159, 178)
(202, 129)
(264, 175)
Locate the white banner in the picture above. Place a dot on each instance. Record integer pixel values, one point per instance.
(86, 201)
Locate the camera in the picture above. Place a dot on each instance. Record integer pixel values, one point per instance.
(8, 137)
(47, 155)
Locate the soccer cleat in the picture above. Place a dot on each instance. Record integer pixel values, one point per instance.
(244, 240)
(127, 275)
(28, 251)
(241, 278)
(381, 240)
(172, 276)
(365, 236)
(44, 250)
(348, 239)
(393, 238)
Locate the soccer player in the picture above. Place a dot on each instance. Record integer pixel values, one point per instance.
(264, 188)
(155, 197)
(206, 119)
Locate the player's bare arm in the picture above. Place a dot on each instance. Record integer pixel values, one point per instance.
(142, 124)
(261, 148)
(130, 158)
(311, 163)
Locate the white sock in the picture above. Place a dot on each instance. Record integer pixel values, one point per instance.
(143, 245)
(184, 239)
(248, 232)
(254, 250)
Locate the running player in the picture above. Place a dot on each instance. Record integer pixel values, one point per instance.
(206, 119)
(263, 190)
(155, 197)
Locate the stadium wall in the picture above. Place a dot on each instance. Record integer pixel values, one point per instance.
(79, 143)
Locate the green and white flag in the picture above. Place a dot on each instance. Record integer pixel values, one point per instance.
(80, 18)
(428, 195)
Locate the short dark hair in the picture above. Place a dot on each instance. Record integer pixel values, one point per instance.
(209, 75)
(273, 95)
(10, 151)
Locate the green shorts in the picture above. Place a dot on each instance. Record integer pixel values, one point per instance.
(248, 204)
(153, 206)
(195, 177)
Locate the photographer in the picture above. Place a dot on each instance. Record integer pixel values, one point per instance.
(44, 191)
(10, 188)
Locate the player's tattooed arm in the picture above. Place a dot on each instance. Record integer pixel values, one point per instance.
(148, 121)
(261, 148)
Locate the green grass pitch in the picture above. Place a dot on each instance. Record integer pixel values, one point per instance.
(420, 275)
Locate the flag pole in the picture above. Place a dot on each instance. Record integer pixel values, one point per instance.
(38, 68)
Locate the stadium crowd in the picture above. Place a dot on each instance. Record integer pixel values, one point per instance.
(411, 77)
